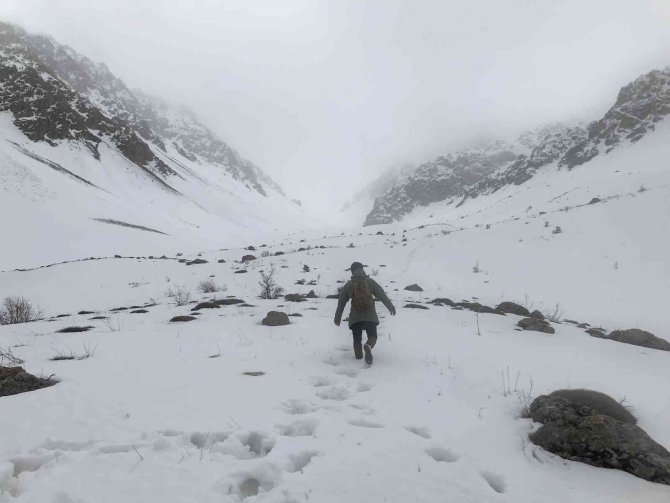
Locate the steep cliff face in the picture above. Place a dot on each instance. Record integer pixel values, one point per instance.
(468, 174)
(444, 178)
(638, 108)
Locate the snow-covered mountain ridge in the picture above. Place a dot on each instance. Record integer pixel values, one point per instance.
(127, 157)
(639, 108)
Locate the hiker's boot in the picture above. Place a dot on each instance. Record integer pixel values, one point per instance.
(368, 353)
(358, 350)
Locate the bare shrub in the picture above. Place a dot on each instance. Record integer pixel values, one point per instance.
(179, 294)
(111, 326)
(18, 310)
(209, 286)
(554, 316)
(265, 253)
(89, 351)
(269, 287)
(8, 358)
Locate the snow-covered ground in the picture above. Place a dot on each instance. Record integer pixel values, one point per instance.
(50, 216)
(164, 412)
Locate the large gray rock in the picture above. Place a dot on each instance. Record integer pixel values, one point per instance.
(513, 308)
(414, 288)
(15, 380)
(275, 318)
(535, 325)
(294, 297)
(602, 403)
(639, 337)
(581, 433)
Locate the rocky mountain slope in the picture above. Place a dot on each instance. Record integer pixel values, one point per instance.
(470, 173)
(132, 157)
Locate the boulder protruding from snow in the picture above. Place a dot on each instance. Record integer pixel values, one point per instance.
(636, 337)
(182, 318)
(414, 288)
(275, 318)
(294, 297)
(513, 308)
(535, 325)
(580, 432)
(248, 258)
(15, 380)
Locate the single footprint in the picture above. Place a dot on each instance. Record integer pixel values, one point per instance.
(300, 428)
(295, 407)
(423, 432)
(330, 360)
(440, 454)
(205, 440)
(364, 386)
(364, 423)
(497, 482)
(297, 462)
(320, 381)
(333, 393)
(262, 478)
(245, 445)
(349, 372)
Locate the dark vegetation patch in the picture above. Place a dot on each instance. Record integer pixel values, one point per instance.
(139, 311)
(99, 318)
(415, 306)
(197, 261)
(126, 224)
(75, 328)
(205, 305)
(183, 318)
(86, 312)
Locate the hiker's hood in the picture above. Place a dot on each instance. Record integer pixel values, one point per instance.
(358, 273)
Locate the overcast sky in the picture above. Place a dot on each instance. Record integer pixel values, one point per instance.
(323, 95)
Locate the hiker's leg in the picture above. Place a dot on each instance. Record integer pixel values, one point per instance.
(357, 332)
(371, 331)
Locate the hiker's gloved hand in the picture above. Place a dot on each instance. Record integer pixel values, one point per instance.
(392, 311)
(337, 321)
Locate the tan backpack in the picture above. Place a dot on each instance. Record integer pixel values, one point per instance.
(361, 297)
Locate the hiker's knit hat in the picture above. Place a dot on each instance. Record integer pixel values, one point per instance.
(355, 265)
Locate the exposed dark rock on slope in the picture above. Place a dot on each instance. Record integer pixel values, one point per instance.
(56, 94)
(473, 172)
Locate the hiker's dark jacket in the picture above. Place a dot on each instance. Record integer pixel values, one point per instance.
(369, 314)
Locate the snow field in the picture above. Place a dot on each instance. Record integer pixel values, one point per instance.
(164, 412)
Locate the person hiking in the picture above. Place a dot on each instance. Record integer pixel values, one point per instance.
(363, 316)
